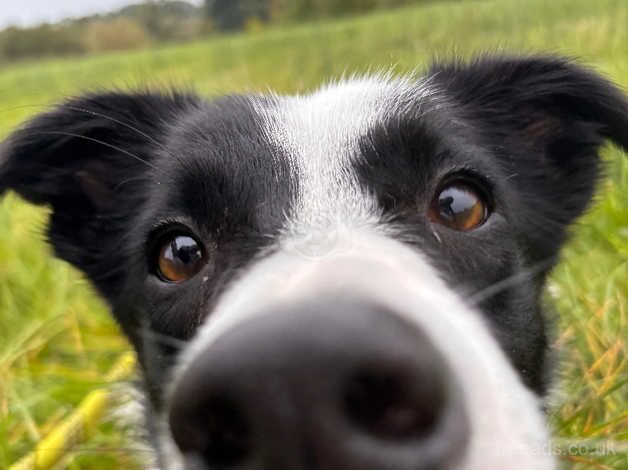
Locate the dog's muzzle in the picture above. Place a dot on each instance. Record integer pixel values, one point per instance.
(328, 383)
(364, 359)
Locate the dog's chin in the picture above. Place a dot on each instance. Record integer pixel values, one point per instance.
(506, 428)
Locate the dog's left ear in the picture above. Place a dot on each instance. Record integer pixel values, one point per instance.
(542, 97)
(83, 159)
(546, 119)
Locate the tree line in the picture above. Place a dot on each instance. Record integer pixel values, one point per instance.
(236, 14)
(159, 21)
(131, 27)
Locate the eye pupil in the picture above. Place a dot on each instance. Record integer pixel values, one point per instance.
(185, 249)
(180, 259)
(459, 206)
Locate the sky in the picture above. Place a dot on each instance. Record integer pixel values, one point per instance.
(29, 12)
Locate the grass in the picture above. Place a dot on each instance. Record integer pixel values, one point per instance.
(56, 339)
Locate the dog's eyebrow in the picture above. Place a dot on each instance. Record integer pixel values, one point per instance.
(163, 221)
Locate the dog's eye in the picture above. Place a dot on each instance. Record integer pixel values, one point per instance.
(459, 206)
(180, 258)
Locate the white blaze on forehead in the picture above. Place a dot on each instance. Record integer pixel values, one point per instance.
(319, 134)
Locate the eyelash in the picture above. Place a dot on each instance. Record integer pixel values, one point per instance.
(472, 178)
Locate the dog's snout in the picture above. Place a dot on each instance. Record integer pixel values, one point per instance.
(326, 384)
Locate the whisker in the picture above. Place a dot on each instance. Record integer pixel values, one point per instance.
(131, 180)
(162, 338)
(148, 137)
(124, 124)
(510, 281)
(98, 141)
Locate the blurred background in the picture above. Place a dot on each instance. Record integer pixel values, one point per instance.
(57, 342)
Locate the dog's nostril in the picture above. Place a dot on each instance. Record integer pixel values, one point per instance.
(387, 405)
(228, 438)
(219, 433)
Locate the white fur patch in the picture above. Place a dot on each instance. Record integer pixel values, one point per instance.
(319, 134)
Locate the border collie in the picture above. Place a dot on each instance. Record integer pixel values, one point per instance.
(348, 279)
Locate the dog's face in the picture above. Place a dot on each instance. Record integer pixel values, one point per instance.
(348, 279)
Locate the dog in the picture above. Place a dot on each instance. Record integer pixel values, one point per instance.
(348, 279)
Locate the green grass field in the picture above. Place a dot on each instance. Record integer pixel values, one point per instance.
(56, 339)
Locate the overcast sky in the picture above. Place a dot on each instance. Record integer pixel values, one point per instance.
(28, 12)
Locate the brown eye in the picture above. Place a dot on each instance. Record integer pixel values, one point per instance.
(180, 258)
(459, 206)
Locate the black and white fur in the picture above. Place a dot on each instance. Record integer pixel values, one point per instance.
(302, 195)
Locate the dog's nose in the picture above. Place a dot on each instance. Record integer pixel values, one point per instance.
(325, 385)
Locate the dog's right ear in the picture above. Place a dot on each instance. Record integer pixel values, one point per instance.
(83, 159)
